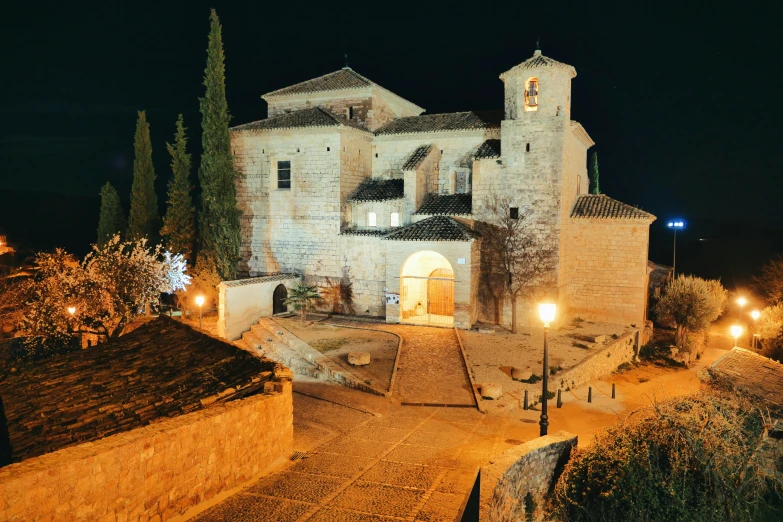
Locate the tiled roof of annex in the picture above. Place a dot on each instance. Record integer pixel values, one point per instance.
(754, 373)
(313, 117)
(345, 78)
(376, 189)
(452, 121)
(437, 228)
(418, 156)
(600, 206)
(488, 150)
(447, 205)
(161, 369)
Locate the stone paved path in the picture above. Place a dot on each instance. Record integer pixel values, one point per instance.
(430, 368)
(411, 463)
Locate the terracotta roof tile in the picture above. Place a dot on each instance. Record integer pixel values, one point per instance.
(599, 206)
(754, 373)
(161, 369)
(453, 121)
(415, 159)
(538, 61)
(375, 189)
(488, 150)
(438, 228)
(448, 205)
(314, 117)
(260, 279)
(364, 232)
(343, 79)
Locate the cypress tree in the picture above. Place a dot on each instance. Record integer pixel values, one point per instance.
(594, 186)
(219, 225)
(179, 228)
(143, 220)
(112, 220)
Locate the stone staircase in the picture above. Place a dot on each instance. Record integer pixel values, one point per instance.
(270, 339)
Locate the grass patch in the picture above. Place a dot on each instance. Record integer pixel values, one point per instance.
(549, 395)
(554, 369)
(533, 379)
(624, 367)
(328, 345)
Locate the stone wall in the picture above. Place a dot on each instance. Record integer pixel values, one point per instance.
(156, 472)
(241, 303)
(532, 468)
(606, 270)
(600, 364)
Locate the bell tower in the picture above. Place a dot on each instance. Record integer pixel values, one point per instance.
(538, 87)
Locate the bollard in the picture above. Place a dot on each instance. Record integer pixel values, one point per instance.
(525, 404)
(612, 390)
(590, 394)
(559, 399)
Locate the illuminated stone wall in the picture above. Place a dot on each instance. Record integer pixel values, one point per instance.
(156, 472)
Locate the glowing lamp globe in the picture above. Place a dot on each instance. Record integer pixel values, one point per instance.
(736, 331)
(71, 310)
(200, 300)
(547, 312)
(755, 314)
(742, 301)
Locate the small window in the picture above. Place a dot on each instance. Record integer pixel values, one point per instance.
(514, 212)
(527, 148)
(297, 149)
(284, 174)
(531, 94)
(328, 149)
(350, 113)
(395, 219)
(376, 154)
(371, 219)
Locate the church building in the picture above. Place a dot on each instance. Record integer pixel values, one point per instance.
(349, 185)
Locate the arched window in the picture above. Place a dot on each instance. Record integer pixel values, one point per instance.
(531, 94)
(371, 219)
(395, 219)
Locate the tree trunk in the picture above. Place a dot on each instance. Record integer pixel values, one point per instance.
(496, 300)
(513, 314)
(304, 316)
(680, 335)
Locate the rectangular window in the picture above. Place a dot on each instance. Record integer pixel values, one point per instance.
(284, 174)
(395, 219)
(461, 182)
(371, 219)
(514, 212)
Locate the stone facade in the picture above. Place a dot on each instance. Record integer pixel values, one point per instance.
(531, 468)
(156, 472)
(242, 302)
(337, 131)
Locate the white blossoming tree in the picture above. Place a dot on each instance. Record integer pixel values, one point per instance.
(115, 282)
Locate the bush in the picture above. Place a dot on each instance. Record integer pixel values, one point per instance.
(692, 304)
(693, 458)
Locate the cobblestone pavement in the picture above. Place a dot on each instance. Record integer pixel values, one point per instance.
(430, 369)
(411, 463)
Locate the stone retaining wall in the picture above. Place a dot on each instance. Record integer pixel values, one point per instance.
(602, 363)
(155, 472)
(532, 468)
(242, 302)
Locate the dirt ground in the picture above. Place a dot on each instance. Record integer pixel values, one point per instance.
(338, 341)
(491, 356)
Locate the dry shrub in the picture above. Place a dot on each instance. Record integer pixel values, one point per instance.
(696, 457)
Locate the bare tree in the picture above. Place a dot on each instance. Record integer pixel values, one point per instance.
(517, 259)
(770, 281)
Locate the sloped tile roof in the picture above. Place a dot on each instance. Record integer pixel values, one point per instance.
(343, 79)
(538, 61)
(375, 189)
(161, 369)
(417, 157)
(364, 232)
(453, 121)
(489, 149)
(260, 279)
(438, 228)
(754, 373)
(599, 206)
(314, 117)
(448, 205)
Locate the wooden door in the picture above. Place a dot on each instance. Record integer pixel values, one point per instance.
(278, 300)
(440, 292)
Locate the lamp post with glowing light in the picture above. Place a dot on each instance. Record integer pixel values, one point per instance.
(547, 313)
(755, 314)
(675, 225)
(72, 312)
(200, 303)
(736, 331)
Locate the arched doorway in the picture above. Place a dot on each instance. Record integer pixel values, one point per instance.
(427, 290)
(278, 300)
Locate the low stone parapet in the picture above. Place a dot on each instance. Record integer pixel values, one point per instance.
(158, 471)
(600, 364)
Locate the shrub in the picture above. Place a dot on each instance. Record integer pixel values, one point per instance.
(554, 369)
(691, 303)
(690, 458)
(625, 366)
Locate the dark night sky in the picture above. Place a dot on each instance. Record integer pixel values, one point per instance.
(682, 100)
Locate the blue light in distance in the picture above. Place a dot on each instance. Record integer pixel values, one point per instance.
(676, 224)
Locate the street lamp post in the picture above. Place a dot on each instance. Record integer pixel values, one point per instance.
(547, 313)
(200, 303)
(755, 314)
(736, 331)
(674, 225)
(72, 312)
